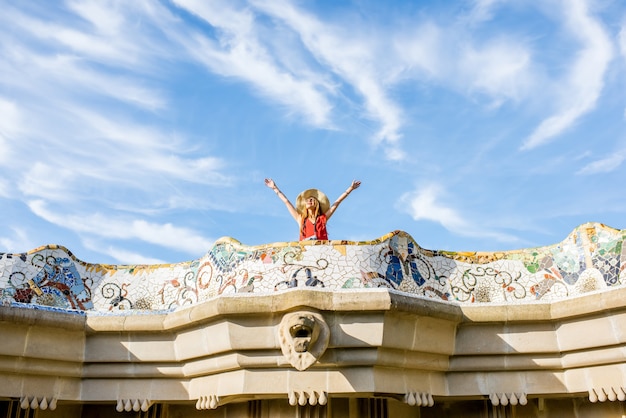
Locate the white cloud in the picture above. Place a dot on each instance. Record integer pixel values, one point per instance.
(12, 119)
(585, 80)
(498, 69)
(10, 128)
(122, 256)
(352, 57)
(50, 182)
(61, 140)
(236, 19)
(130, 257)
(424, 204)
(604, 165)
(418, 50)
(104, 15)
(91, 151)
(65, 66)
(129, 146)
(394, 153)
(110, 34)
(483, 10)
(19, 242)
(67, 71)
(5, 188)
(455, 59)
(73, 142)
(240, 53)
(165, 235)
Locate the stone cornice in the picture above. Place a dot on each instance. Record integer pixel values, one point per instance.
(441, 349)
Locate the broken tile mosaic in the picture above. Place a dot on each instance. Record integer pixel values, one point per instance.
(591, 258)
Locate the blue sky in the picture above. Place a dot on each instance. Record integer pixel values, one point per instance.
(141, 131)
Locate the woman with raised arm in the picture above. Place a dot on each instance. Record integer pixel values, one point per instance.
(312, 210)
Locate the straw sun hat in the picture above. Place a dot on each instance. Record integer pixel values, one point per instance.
(318, 194)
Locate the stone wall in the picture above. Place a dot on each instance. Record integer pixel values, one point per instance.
(319, 329)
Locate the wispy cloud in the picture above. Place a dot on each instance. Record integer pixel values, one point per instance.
(418, 52)
(12, 121)
(584, 82)
(118, 155)
(104, 32)
(80, 97)
(425, 204)
(61, 100)
(352, 56)
(483, 10)
(10, 127)
(498, 69)
(605, 165)
(120, 255)
(5, 189)
(130, 257)
(165, 235)
(19, 241)
(49, 182)
(238, 52)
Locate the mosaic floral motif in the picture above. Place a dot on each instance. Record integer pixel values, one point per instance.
(591, 258)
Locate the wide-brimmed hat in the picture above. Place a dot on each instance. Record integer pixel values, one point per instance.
(318, 194)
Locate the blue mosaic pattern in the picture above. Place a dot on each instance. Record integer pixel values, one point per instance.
(591, 258)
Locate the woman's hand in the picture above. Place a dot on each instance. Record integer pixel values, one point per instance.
(292, 210)
(355, 184)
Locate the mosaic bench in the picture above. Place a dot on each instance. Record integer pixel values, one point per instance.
(591, 258)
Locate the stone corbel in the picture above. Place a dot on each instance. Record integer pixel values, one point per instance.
(307, 397)
(133, 405)
(505, 399)
(607, 394)
(419, 399)
(35, 402)
(208, 402)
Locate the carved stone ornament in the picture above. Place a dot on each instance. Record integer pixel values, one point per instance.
(303, 337)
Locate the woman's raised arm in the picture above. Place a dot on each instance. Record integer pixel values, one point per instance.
(292, 210)
(355, 185)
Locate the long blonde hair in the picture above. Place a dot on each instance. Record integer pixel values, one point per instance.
(305, 212)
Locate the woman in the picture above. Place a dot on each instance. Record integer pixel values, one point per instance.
(312, 209)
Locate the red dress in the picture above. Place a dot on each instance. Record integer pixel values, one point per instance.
(316, 230)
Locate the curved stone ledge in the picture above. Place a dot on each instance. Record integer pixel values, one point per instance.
(379, 342)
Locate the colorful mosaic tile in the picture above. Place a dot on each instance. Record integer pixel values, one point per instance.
(591, 258)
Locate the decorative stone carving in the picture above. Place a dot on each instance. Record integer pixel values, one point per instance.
(419, 399)
(508, 398)
(34, 402)
(311, 397)
(208, 402)
(607, 394)
(133, 405)
(303, 337)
